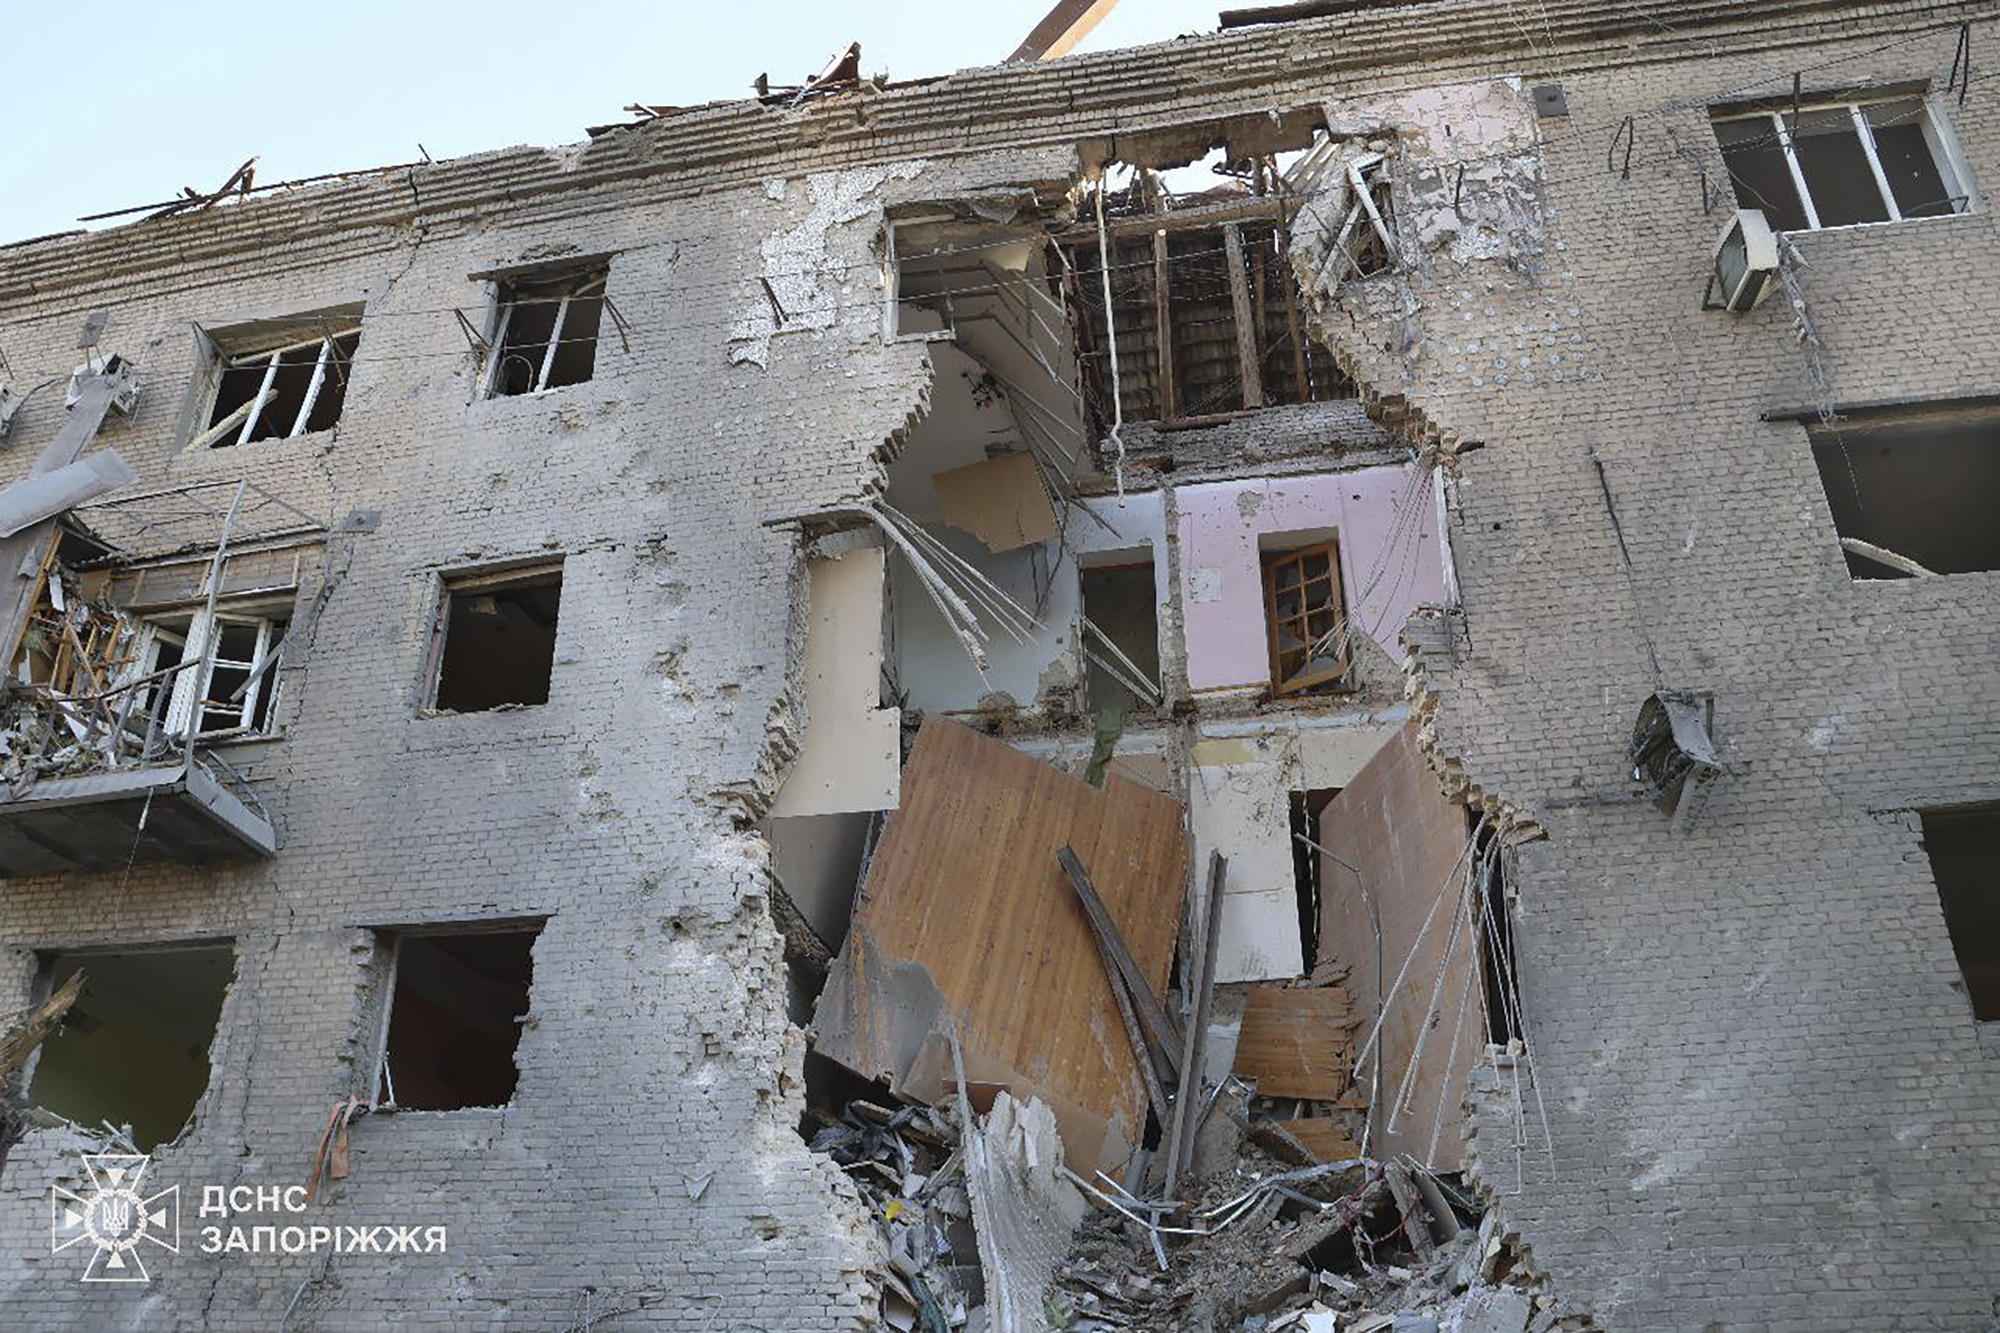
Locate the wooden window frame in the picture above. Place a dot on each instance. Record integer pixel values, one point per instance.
(1272, 562)
(335, 352)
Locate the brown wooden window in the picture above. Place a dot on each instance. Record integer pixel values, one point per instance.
(1304, 611)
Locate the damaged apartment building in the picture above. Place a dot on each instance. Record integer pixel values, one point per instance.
(1337, 676)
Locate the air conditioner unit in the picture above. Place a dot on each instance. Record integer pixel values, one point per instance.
(1746, 264)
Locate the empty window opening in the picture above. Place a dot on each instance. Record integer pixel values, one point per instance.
(1306, 809)
(1495, 929)
(1836, 164)
(1121, 604)
(133, 1049)
(495, 639)
(455, 1010)
(229, 690)
(1207, 313)
(1913, 489)
(1964, 848)
(547, 331)
(278, 391)
(1304, 610)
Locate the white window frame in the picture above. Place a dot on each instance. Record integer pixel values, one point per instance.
(189, 703)
(212, 437)
(583, 285)
(1951, 166)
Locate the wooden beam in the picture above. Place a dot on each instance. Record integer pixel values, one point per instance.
(1180, 1134)
(1248, 209)
(1068, 23)
(1246, 325)
(1118, 957)
(1169, 401)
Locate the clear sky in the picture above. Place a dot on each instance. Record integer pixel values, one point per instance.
(114, 104)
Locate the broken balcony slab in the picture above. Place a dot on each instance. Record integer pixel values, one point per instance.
(967, 923)
(93, 822)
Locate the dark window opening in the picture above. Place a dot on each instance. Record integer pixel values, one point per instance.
(1964, 850)
(455, 1019)
(1915, 488)
(547, 334)
(133, 1048)
(276, 393)
(1306, 808)
(1121, 602)
(1496, 942)
(496, 640)
(1305, 618)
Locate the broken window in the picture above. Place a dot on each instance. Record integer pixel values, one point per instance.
(1308, 631)
(1122, 635)
(1964, 848)
(546, 336)
(278, 389)
(1913, 491)
(133, 1048)
(1837, 164)
(230, 692)
(455, 1007)
(494, 642)
(1205, 308)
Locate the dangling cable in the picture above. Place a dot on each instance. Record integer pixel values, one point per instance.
(1111, 338)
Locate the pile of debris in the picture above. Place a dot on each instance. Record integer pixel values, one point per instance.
(1317, 1249)
(1029, 1170)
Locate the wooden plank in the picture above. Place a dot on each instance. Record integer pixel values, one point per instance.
(1297, 1043)
(1163, 324)
(1325, 1137)
(1246, 319)
(966, 920)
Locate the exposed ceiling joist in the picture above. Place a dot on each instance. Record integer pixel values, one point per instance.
(1061, 29)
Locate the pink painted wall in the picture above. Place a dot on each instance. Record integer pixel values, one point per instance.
(1385, 517)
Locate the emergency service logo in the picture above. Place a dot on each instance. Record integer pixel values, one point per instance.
(116, 1216)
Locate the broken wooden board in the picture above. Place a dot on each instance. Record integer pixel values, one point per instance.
(967, 920)
(1325, 1137)
(1296, 1043)
(1408, 839)
(999, 501)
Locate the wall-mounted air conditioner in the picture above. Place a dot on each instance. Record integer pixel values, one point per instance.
(1746, 264)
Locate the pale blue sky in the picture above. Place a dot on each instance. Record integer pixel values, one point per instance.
(115, 104)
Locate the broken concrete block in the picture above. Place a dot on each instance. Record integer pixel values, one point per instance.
(1497, 1310)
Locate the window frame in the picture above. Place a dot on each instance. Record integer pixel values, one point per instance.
(330, 356)
(187, 701)
(1271, 562)
(1945, 156)
(582, 279)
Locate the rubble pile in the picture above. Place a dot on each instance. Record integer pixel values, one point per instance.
(1314, 1250)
